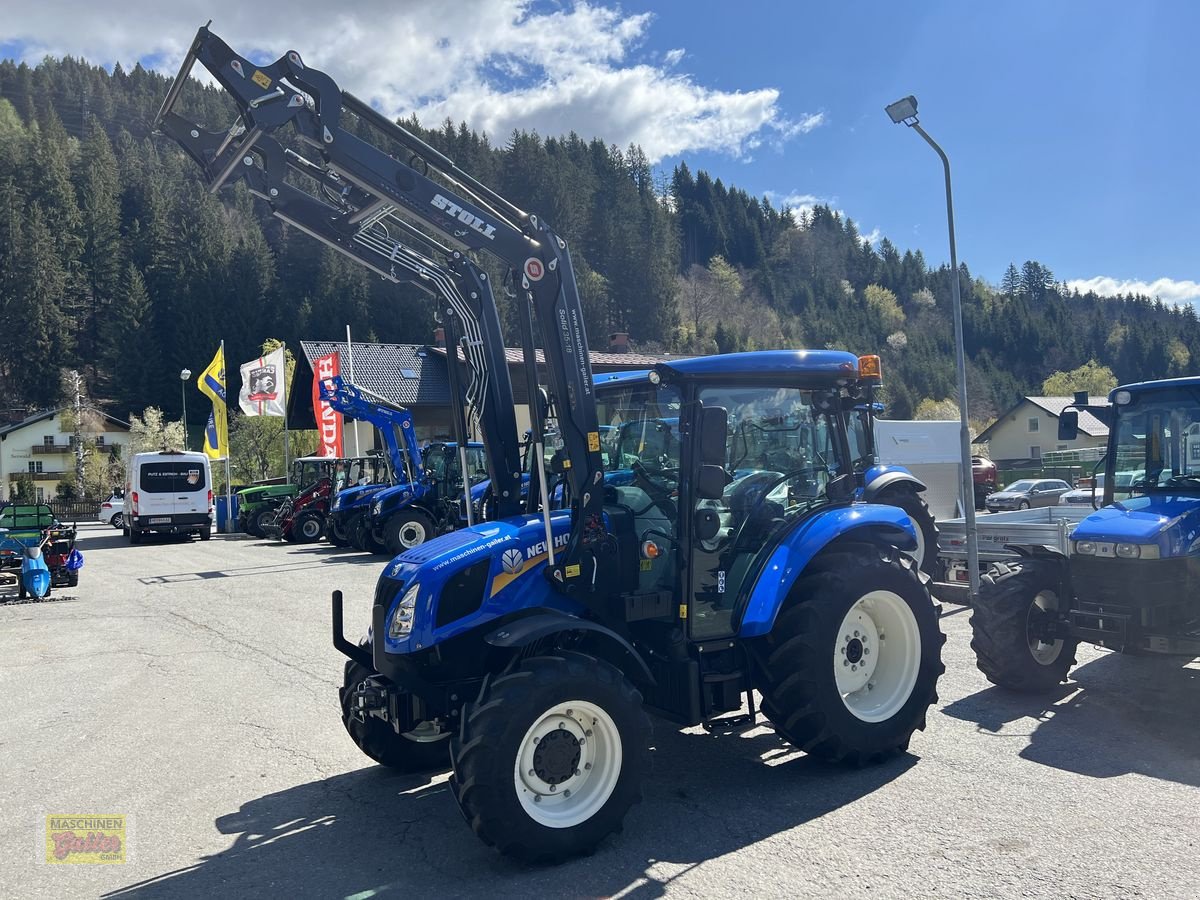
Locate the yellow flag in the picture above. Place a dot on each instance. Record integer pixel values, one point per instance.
(212, 383)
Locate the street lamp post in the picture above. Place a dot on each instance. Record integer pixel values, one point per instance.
(183, 380)
(904, 112)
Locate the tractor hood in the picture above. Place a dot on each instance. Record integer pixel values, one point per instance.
(1172, 521)
(355, 495)
(512, 550)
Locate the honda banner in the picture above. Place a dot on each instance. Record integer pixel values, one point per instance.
(329, 421)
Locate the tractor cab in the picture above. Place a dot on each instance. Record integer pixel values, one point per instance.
(307, 470)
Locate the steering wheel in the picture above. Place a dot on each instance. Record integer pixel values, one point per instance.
(765, 492)
(659, 495)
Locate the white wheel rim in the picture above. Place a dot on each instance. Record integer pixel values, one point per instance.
(579, 734)
(312, 528)
(1043, 653)
(877, 655)
(412, 534)
(426, 733)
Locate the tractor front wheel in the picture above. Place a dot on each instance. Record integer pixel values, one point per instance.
(1017, 604)
(551, 756)
(308, 527)
(255, 520)
(406, 529)
(425, 749)
(336, 532)
(850, 668)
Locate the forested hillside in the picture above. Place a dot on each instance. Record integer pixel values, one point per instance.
(114, 260)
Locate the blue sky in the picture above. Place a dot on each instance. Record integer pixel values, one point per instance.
(1070, 125)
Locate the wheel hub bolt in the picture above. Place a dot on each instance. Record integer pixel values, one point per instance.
(845, 662)
(536, 739)
(856, 634)
(866, 651)
(537, 798)
(566, 794)
(577, 773)
(531, 772)
(570, 711)
(553, 789)
(587, 765)
(588, 732)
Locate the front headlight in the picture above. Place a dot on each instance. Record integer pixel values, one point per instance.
(337, 502)
(1085, 548)
(402, 616)
(377, 507)
(1137, 551)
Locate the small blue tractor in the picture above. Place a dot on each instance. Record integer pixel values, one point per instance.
(1131, 579)
(527, 653)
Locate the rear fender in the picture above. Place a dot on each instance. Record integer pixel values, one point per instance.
(878, 478)
(887, 526)
(606, 643)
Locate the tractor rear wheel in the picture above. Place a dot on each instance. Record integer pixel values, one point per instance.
(850, 668)
(308, 527)
(425, 749)
(1008, 624)
(406, 529)
(550, 756)
(907, 499)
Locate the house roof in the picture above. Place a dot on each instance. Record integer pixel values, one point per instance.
(51, 413)
(405, 374)
(1088, 423)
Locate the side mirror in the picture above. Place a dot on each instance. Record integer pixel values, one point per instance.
(714, 425)
(711, 481)
(1068, 425)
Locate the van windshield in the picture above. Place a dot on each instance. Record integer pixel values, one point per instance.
(170, 477)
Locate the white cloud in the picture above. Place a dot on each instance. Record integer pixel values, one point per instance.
(798, 202)
(498, 64)
(1167, 289)
(872, 237)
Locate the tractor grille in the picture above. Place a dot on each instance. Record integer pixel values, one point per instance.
(1133, 583)
(463, 593)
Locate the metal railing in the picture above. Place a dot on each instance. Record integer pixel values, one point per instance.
(75, 510)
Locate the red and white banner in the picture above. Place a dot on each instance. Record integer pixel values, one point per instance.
(329, 421)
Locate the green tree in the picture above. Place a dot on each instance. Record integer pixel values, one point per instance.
(883, 305)
(151, 431)
(1091, 377)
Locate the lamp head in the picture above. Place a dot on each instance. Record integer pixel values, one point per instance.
(903, 111)
(185, 374)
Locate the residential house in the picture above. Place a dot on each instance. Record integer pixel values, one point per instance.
(43, 446)
(1029, 430)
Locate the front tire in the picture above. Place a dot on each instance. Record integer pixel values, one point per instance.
(307, 528)
(254, 521)
(850, 668)
(406, 529)
(914, 504)
(1015, 600)
(379, 740)
(336, 533)
(551, 756)
(1024, 504)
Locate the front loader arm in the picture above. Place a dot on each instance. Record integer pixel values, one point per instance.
(359, 403)
(410, 214)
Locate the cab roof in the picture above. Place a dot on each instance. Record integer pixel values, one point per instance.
(1140, 386)
(762, 365)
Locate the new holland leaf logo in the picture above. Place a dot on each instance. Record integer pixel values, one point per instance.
(513, 561)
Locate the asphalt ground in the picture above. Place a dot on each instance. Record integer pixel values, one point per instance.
(191, 687)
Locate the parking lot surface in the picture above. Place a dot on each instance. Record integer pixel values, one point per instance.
(192, 688)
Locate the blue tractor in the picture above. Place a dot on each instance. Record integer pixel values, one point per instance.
(406, 515)
(1130, 581)
(352, 504)
(529, 652)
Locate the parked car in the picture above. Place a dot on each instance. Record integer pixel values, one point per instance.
(983, 473)
(1026, 493)
(1082, 496)
(112, 511)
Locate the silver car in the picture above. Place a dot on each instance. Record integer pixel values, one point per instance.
(1082, 496)
(1026, 493)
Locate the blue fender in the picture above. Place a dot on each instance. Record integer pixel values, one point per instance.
(879, 477)
(787, 562)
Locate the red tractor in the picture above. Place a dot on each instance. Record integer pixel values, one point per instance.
(301, 519)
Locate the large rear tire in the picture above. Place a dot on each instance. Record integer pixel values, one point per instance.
(906, 498)
(406, 529)
(423, 750)
(1014, 602)
(850, 668)
(551, 756)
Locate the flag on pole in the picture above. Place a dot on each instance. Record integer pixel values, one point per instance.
(262, 385)
(212, 383)
(329, 421)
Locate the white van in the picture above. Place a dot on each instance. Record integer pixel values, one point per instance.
(169, 492)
